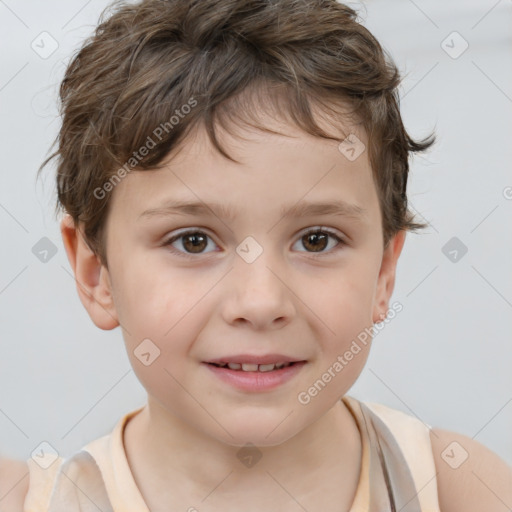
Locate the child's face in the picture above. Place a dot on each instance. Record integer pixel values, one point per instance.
(215, 296)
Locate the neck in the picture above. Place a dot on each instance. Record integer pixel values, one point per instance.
(173, 454)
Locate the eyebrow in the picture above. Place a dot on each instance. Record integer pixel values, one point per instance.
(300, 209)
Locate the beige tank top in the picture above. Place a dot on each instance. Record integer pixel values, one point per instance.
(397, 472)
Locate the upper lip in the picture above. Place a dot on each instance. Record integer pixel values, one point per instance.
(254, 359)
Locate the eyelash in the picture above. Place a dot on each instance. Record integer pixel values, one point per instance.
(170, 241)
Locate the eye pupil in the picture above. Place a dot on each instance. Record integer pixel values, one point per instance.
(196, 240)
(317, 240)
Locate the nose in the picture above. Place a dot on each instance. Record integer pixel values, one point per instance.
(258, 294)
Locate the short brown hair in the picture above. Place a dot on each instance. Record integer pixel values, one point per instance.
(146, 61)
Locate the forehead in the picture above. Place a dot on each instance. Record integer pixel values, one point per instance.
(273, 170)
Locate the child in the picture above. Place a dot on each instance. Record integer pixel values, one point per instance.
(233, 175)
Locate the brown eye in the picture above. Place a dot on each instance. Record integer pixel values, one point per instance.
(194, 242)
(317, 241)
(191, 242)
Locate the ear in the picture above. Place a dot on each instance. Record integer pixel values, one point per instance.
(92, 278)
(386, 279)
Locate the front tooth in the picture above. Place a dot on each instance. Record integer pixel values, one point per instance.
(248, 367)
(234, 366)
(266, 367)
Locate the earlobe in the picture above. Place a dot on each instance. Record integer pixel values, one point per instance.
(387, 273)
(92, 278)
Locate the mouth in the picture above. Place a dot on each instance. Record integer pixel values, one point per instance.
(255, 374)
(253, 367)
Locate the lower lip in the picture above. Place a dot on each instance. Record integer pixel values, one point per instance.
(256, 381)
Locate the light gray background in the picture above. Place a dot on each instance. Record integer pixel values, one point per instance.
(446, 358)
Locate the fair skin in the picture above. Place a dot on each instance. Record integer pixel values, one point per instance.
(13, 484)
(182, 447)
(482, 482)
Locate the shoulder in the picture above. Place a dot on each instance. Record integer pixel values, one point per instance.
(13, 484)
(470, 477)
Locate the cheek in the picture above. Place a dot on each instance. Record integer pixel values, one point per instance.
(169, 311)
(348, 299)
(153, 301)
